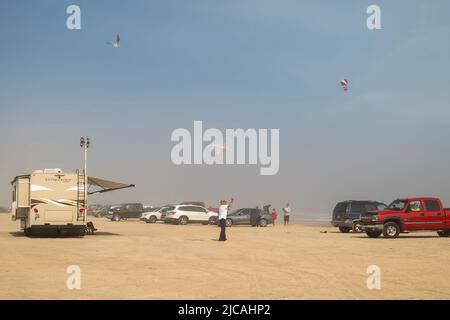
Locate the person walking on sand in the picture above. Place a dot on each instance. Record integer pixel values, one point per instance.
(274, 216)
(223, 211)
(287, 213)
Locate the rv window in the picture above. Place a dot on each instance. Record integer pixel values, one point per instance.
(14, 194)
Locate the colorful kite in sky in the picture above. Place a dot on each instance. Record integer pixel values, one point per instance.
(344, 84)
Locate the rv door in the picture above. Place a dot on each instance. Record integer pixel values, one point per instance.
(21, 198)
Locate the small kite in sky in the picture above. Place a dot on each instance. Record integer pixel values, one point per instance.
(116, 43)
(220, 146)
(344, 84)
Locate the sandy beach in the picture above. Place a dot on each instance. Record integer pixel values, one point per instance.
(135, 260)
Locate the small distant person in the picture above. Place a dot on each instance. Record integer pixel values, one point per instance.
(274, 216)
(223, 211)
(287, 213)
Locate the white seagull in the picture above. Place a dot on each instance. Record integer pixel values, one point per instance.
(116, 43)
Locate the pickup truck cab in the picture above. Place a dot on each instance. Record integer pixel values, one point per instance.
(410, 214)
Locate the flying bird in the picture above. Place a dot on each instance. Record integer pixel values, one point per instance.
(344, 84)
(116, 43)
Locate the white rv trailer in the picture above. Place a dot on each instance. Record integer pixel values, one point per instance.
(53, 200)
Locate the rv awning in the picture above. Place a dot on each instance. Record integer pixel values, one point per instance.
(101, 185)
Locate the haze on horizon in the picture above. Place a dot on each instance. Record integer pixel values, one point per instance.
(231, 64)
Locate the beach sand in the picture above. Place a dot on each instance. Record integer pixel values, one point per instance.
(135, 260)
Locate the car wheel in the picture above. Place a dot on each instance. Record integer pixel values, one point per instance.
(228, 222)
(344, 229)
(444, 233)
(357, 227)
(212, 220)
(391, 230)
(152, 219)
(115, 217)
(263, 223)
(373, 234)
(183, 220)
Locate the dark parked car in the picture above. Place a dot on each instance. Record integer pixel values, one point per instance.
(346, 214)
(244, 217)
(125, 211)
(101, 211)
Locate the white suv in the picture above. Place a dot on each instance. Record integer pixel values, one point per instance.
(156, 214)
(183, 214)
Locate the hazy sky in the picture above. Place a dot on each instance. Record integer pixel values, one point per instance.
(231, 64)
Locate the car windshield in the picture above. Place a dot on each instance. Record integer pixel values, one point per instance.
(397, 205)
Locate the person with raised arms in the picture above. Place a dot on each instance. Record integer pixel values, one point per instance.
(223, 211)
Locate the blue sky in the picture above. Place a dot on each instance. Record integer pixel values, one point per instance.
(249, 64)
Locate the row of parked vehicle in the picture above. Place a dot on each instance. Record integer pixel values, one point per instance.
(401, 216)
(183, 213)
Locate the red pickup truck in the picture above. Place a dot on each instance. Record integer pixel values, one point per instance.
(411, 214)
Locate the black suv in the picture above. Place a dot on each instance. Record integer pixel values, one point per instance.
(125, 211)
(346, 214)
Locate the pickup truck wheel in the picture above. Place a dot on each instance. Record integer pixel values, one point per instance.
(444, 233)
(263, 223)
(373, 234)
(115, 217)
(344, 229)
(183, 220)
(391, 230)
(357, 227)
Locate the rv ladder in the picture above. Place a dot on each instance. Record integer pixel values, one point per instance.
(81, 196)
